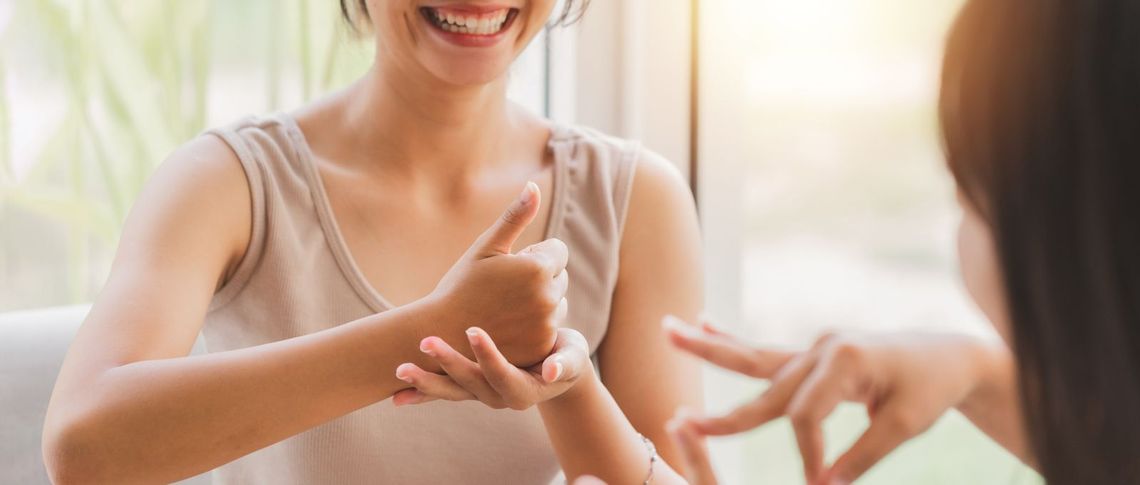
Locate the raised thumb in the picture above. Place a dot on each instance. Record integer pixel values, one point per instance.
(499, 238)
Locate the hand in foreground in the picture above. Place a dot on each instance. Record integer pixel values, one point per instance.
(906, 381)
(493, 380)
(519, 298)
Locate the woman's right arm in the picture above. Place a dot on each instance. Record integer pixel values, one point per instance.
(129, 406)
(906, 381)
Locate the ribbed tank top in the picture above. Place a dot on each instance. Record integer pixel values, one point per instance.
(298, 277)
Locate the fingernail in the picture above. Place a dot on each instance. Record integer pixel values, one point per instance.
(425, 346)
(402, 373)
(678, 326)
(472, 335)
(672, 426)
(528, 192)
(684, 413)
(557, 369)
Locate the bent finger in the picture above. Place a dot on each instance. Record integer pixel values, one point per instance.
(695, 455)
(561, 284)
(570, 358)
(766, 407)
(818, 396)
(552, 254)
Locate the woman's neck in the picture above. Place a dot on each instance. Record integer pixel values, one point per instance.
(427, 127)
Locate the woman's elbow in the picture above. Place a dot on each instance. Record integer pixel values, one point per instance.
(71, 451)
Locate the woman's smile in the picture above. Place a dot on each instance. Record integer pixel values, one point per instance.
(470, 25)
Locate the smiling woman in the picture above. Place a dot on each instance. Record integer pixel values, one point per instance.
(338, 255)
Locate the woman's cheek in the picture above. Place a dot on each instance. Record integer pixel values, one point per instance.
(981, 272)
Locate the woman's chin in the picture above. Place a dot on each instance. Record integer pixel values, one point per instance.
(468, 72)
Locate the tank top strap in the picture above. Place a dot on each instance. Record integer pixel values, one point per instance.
(270, 156)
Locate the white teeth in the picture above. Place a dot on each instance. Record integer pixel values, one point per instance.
(476, 25)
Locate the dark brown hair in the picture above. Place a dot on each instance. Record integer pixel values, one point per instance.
(1040, 110)
(572, 11)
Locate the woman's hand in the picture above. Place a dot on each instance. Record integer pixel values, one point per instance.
(491, 378)
(518, 298)
(906, 381)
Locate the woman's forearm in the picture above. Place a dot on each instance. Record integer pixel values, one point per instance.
(592, 436)
(163, 420)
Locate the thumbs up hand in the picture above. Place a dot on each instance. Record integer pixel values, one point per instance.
(519, 299)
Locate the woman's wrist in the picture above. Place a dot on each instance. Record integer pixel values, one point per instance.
(410, 324)
(991, 368)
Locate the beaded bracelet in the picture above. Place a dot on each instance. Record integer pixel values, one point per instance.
(652, 457)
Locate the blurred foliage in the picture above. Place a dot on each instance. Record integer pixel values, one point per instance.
(135, 79)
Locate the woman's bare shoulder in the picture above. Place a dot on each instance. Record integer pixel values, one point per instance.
(197, 203)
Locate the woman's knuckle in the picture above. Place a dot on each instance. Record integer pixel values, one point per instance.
(846, 352)
(801, 416)
(905, 423)
(551, 300)
(536, 267)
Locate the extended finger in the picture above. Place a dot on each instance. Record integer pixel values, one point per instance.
(725, 351)
(434, 385)
(698, 467)
(767, 407)
(508, 381)
(461, 369)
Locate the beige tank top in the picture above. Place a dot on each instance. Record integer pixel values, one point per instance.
(298, 277)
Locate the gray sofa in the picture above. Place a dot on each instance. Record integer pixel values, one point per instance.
(32, 346)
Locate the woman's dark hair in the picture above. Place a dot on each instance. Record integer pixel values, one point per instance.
(572, 11)
(1040, 110)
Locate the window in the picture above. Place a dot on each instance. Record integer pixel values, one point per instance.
(826, 205)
